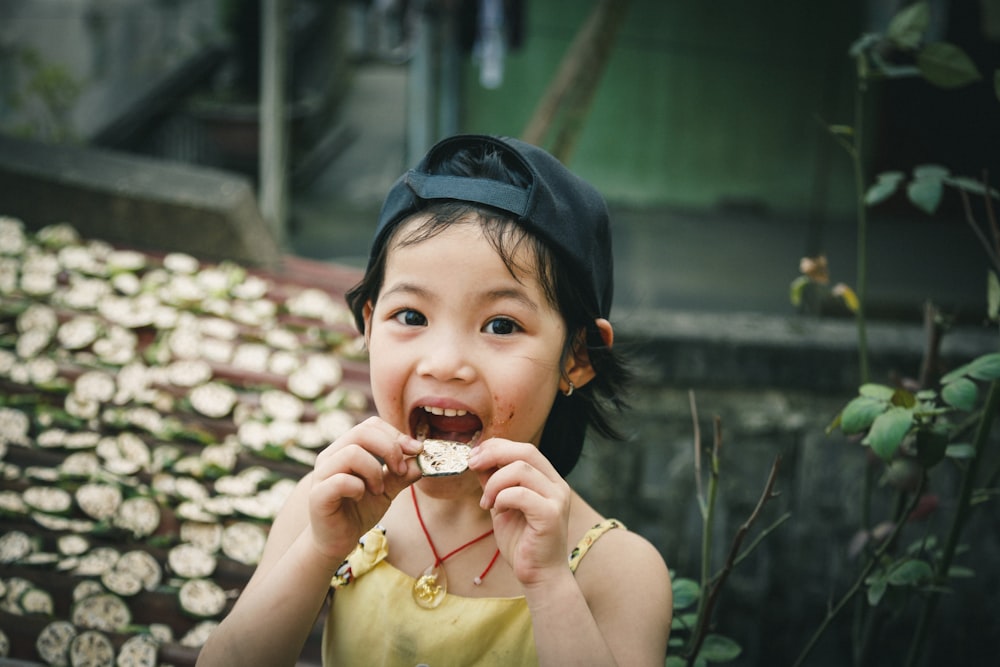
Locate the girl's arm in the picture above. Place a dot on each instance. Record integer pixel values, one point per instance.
(615, 610)
(272, 618)
(347, 492)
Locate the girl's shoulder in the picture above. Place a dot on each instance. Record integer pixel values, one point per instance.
(614, 560)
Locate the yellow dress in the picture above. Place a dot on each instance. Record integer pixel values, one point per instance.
(374, 620)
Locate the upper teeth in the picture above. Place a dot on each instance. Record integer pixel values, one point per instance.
(447, 412)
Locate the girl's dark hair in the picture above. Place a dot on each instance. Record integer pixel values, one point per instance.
(595, 403)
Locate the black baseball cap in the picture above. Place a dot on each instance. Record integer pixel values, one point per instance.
(560, 207)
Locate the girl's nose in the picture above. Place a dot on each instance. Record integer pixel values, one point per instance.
(445, 357)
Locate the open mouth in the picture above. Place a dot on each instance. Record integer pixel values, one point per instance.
(445, 424)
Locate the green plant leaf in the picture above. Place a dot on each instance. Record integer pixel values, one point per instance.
(888, 430)
(859, 414)
(908, 26)
(876, 591)
(884, 187)
(675, 661)
(717, 648)
(797, 288)
(960, 394)
(972, 186)
(910, 573)
(947, 66)
(935, 171)
(960, 571)
(925, 193)
(686, 592)
(879, 391)
(955, 373)
(986, 367)
(960, 450)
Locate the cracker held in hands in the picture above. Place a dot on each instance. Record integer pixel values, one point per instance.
(443, 457)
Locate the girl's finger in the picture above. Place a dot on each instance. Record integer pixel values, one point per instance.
(354, 460)
(517, 474)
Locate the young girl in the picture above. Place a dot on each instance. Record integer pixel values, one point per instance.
(484, 308)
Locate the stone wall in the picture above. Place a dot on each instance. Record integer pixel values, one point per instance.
(777, 597)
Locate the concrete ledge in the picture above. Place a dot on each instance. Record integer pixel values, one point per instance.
(135, 201)
(735, 350)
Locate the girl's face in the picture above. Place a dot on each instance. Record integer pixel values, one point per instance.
(458, 345)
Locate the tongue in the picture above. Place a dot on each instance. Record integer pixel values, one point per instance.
(459, 429)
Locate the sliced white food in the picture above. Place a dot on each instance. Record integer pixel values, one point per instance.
(72, 545)
(14, 546)
(207, 536)
(91, 649)
(443, 457)
(36, 601)
(244, 542)
(78, 332)
(281, 405)
(86, 588)
(161, 632)
(190, 510)
(14, 426)
(198, 635)
(97, 561)
(190, 561)
(121, 582)
(80, 464)
(48, 499)
(16, 587)
(213, 399)
(53, 643)
(11, 502)
(104, 611)
(138, 651)
(143, 566)
(61, 523)
(202, 598)
(99, 501)
(139, 515)
(95, 385)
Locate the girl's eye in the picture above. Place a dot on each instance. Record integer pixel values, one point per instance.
(410, 318)
(501, 326)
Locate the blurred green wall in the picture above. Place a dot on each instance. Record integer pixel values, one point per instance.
(702, 103)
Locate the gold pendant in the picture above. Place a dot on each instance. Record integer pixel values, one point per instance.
(429, 590)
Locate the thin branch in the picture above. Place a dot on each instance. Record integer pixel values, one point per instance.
(697, 453)
(962, 512)
(834, 611)
(932, 352)
(992, 254)
(991, 216)
(760, 538)
(705, 615)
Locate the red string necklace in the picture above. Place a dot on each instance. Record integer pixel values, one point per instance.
(430, 588)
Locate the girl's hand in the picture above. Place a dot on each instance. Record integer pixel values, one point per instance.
(529, 502)
(354, 480)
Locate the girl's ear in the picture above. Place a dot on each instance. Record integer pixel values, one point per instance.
(577, 368)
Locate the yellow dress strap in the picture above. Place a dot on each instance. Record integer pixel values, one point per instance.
(581, 549)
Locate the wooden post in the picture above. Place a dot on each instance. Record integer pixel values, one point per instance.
(564, 106)
(273, 160)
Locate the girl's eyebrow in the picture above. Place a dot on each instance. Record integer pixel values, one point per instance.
(509, 293)
(486, 296)
(406, 288)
